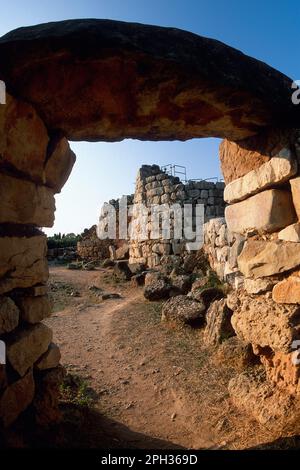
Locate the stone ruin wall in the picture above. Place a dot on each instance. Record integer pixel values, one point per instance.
(153, 186)
(261, 173)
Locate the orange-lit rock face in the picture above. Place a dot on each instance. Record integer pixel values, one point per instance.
(107, 80)
(282, 369)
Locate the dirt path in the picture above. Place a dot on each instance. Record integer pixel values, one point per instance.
(151, 382)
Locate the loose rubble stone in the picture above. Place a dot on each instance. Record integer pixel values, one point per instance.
(182, 309)
(218, 325)
(122, 271)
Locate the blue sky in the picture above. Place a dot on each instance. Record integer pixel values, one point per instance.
(265, 29)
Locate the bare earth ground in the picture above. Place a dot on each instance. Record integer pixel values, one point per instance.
(153, 386)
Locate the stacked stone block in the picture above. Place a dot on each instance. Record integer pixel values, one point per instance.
(33, 167)
(155, 187)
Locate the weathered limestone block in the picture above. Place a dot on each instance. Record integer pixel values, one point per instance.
(271, 407)
(239, 158)
(24, 202)
(59, 164)
(218, 325)
(9, 315)
(287, 291)
(122, 252)
(282, 369)
(259, 320)
(264, 258)
(295, 187)
(234, 353)
(276, 171)
(182, 309)
(16, 398)
(26, 347)
(103, 55)
(23, 138)
(264, 212)
(34, 309)
(258, 286)
(23, 262)
(50, 359)
(290, 233)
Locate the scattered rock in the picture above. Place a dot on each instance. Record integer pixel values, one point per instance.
(234, 353)
(108, 295)
(218, 324)
(108, 263)
(138, 280)
(182, 309)
(122, 252)
(122, 271)
(157, 290)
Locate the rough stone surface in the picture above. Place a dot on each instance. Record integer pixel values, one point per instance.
(239, 158)
(59, 164)
(157, 289)
(199, 87)
(290, 233)
(267, 211)
(50, 359)
(9, 315)
(276, 171)
(122, 252)
(264, 258)
(122, 271)
(23, 262)
(16, 398)
(218, 325)
(24, 202)
(281, 369)
(182, 309)
(23, 139)
(34, 309)
(287, 291)
(258, 286)
(235, 354)
(295, 187)
(259, 320)
(273, 408)
(27, 346)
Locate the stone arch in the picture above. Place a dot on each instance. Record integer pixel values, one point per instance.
(101, 80)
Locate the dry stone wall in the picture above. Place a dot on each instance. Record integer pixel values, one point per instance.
(33, 167)
(155, 187)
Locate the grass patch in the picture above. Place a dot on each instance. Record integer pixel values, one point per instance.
(76, 391)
